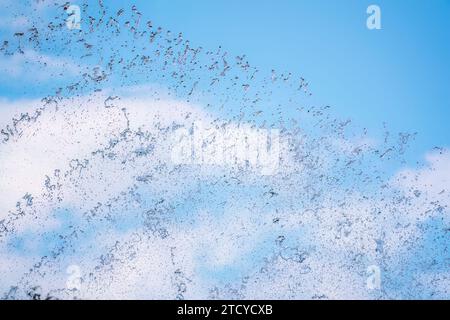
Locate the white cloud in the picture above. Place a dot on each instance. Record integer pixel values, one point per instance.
(70, 130)
(208, 246)
(431, 182)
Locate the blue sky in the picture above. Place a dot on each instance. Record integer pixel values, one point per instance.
(102, 177)
(399, 75)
